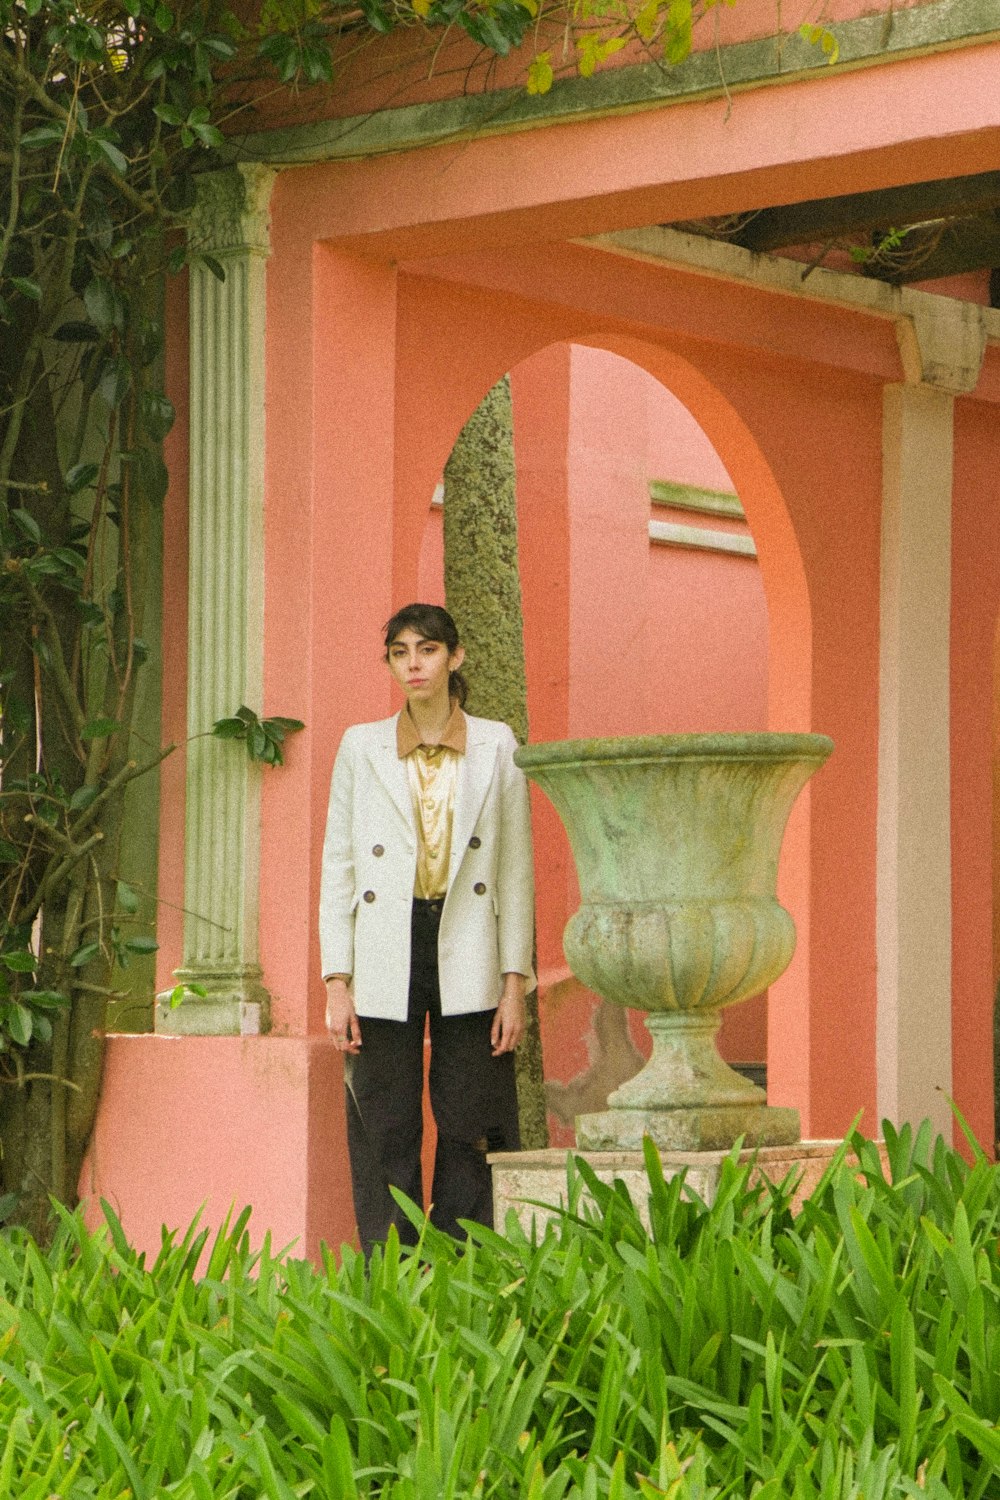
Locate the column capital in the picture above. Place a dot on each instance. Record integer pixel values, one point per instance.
(941, 342)
(231, 214)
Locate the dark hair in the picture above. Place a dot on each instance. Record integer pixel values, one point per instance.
(435, 624)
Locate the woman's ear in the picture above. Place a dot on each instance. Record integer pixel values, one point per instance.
(456, 658)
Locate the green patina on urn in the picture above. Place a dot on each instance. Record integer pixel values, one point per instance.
(676, 841)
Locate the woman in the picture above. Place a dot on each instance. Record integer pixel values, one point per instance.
(426, 910)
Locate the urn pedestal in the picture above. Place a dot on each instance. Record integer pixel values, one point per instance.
(676, 841)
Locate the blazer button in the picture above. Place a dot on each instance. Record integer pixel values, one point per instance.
(475, 841)
(369, 896)
(479, 888)
(378, 851)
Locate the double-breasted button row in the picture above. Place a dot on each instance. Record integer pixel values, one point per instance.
(479, 888)
(475, 842)
(368, 896)
(378, 851)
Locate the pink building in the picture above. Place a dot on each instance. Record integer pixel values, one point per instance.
(384, 270)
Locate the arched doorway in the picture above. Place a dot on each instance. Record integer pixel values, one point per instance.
(645, 612)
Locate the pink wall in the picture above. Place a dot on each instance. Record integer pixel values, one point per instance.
(975, 706)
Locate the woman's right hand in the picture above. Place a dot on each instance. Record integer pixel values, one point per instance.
(341, 1018)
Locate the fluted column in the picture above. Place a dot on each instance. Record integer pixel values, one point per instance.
(225, 606)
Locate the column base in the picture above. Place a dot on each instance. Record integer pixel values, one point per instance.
(235, 1004)
(699, 1128)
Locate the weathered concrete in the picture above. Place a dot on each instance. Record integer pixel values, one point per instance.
(533, 1184)
(676, 840)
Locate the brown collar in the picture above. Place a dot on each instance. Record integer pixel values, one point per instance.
(408, 735)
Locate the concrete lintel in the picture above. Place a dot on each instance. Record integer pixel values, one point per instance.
(941, 340)
(866, 41)
(941, 343)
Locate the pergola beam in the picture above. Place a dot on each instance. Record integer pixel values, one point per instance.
(822, 219)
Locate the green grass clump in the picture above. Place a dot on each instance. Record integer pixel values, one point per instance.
(850, 1351)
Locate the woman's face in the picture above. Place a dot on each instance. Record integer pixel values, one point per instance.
(421, 666)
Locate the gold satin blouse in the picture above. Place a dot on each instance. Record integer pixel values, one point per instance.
(432, 772)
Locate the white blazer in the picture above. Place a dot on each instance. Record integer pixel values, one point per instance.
(370, 861)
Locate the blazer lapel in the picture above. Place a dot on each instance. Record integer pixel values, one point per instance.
(475, 774)
(391, 772)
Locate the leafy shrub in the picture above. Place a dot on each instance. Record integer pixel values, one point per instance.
(850, 1351)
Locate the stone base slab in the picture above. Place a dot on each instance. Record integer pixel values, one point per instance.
(529, 1181)
(699, 1129)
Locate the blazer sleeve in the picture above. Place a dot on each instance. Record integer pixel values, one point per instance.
(337, 882)
(516, 869)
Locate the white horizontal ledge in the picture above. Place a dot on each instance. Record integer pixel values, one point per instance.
(674, 534)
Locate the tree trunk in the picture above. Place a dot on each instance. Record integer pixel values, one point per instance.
(483, 591)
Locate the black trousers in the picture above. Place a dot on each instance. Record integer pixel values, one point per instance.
(473, 1100)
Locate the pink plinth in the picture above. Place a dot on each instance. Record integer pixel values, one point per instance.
(216, 1122)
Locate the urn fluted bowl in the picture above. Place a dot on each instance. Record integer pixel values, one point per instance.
(676, 841)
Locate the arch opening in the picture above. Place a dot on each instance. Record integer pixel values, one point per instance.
(647, 610)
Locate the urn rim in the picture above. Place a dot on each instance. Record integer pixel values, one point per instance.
(655, 748)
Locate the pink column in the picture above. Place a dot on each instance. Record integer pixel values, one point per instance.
(974, 652)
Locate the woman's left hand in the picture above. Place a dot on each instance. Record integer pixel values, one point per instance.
(508, 1023)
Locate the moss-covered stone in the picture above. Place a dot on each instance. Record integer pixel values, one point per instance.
(483, 592)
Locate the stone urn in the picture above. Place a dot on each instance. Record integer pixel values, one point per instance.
(676, 841)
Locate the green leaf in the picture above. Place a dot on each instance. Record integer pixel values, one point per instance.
(8, 853)
(77, 333)
(27, 288)
(115, 381)
(20, 961)
(27, 524)
(127, 898)
(82, 798)
(79, 477)
(540, 74)
(158, 415)
(151, 473)
(229, 729)
(84, 954)
(141, 945)
(42, 135)
(48, 999)
(19, 1024)
(97, 729)
(112, 154)
(180, 992)
(104, 305)
(278, 727)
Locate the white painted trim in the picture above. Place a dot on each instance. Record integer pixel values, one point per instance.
(704, 538)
